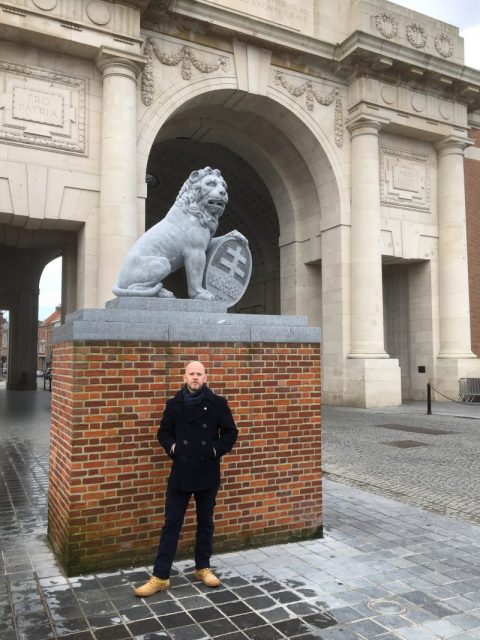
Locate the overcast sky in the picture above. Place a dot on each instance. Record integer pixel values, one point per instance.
(464, 14)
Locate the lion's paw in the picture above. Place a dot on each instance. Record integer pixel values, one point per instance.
(165, 293)
(238, 236)
(204, 295)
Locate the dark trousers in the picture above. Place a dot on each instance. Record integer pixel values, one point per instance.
(176, 504)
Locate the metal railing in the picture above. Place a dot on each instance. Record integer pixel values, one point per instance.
(469, 389)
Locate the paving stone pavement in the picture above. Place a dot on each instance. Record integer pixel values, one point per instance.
(385, 569)
(431, 461)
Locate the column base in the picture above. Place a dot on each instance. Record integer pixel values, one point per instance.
(448, 371)
(373, 382)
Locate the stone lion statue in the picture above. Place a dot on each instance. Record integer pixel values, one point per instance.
(180, 239)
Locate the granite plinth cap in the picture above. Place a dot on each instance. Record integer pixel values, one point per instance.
(167, 320)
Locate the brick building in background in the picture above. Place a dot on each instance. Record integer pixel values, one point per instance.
(45, 338)
(472, 198)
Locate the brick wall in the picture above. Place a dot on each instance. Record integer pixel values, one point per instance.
(108, 473)
(472, 199)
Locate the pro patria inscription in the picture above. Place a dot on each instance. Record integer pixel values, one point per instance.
(38, 106)
(42, 108)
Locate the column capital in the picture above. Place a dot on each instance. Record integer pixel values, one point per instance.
(363, 124)
(453, 145)
(115, 62)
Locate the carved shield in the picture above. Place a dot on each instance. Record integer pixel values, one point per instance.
(228, 270)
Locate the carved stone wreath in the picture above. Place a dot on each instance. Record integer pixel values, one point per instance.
(444, 45)
(416, 35)
(185, 57)
(387, 25)
(311, 95)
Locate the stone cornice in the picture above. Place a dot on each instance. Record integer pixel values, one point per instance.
(359, 54)
(362, 54)
(67, 33)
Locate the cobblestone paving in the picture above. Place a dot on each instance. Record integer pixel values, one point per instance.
(385, 570)
(439, 471)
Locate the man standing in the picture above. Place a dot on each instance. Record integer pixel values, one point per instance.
(196, 430)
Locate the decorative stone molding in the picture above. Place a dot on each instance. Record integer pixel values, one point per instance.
(311, 95)
(42, 108)
(338, 124)
(98, 12)
(389, 93)
(387, 25)
(416, 35)
(45, 5)
(404, 179)
(184, 57)
(444, 45)
(445, 108)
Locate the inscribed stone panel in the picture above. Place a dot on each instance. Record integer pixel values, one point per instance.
(42, 108)
(404, 179)
(293, 14)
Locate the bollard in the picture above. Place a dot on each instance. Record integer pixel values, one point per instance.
(429, 399)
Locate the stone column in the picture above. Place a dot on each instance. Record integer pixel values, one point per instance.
(118, 180)
(454, 305)
(367, 339)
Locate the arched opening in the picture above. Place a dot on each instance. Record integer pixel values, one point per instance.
(282, 188)
(250, 210)
(25, 252)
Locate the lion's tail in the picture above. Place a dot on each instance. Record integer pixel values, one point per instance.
(138, 293)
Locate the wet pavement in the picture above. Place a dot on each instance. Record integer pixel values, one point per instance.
(386, 569)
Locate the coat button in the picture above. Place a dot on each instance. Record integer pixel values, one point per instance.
(185, 442)
(203, 442)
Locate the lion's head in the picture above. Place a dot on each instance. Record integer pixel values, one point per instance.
(204, 195)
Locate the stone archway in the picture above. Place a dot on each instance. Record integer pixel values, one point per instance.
(269, 153)
(25, 253)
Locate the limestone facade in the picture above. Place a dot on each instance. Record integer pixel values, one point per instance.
(340, 128)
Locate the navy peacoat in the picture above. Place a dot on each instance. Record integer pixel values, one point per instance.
(202, 435)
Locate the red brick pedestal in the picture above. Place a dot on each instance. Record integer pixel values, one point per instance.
(108, 472)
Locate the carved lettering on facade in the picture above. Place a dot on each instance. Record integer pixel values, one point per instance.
(42, 108)
(294, 14)
(404, 180)
(38, 106)
(312, 96)
(185, 57)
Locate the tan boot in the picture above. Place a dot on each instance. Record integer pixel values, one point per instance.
(207, 577)
(152, 586)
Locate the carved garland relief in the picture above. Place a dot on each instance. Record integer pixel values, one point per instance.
(387, 25)
(42, 108)
(312, 96)
(184, 57)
